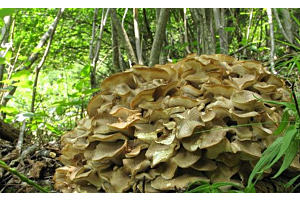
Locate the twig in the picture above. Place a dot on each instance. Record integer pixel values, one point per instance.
(22, 177)
(21, 137)
(241, 49)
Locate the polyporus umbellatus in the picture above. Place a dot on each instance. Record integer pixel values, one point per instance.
(158, 129)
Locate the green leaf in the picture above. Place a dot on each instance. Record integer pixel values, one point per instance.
(59, 110)
(229, 29)
(2, 60)
(268, 155)
(6, 11)
(292, 181)
(37, 49)
(289, 105)
(9, 110)
(289, 157)
(85, 72)
(90, 91)
(53, 129)
(20, 75)
(287, 140)
(24, 84)
(283, 124)
(22, 58)
(298, 65)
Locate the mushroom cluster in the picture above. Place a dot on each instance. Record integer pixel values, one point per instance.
(158, 129)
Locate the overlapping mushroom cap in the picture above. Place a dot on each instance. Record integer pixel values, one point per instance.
(158, 129)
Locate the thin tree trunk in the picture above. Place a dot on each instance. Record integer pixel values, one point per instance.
(211, 27)
(207, 33)
(91, 55)
(196, 19)
(272, 47)
(33, 57)
(287, 31)
(124, 16)
(149, 33)
(39, 67)
(123, 35)
(221, 32)
(137, 36)
(4, 44)
(248, 29)
(159, 37)
(186, 31)
(116, 49)
(287, 24)
(93, 79)
(224, 21)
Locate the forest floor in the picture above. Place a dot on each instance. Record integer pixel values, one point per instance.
(38, 163)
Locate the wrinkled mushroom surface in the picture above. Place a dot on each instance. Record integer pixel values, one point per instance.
(158, 129)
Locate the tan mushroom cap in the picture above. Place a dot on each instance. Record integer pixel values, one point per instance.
(119, 180)
(244, 100)
(249, 150)
(116, 79)
(168, 169)
(148, 74)
(136, 164)
(158, 153)
(246, 81)
(185, 159)
(106, 151)
(178, 183)
(204, 164)
(218, 89)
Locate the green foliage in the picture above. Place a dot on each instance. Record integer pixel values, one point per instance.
(6, 11)
(206, 187)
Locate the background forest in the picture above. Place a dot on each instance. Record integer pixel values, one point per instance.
(52, 61)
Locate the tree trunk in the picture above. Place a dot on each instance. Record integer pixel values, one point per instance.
(149, 33)
(197, 22)
(93, 79)
(116, 49)
(287, 24)
(272, 47)
(137, 36)
(221, 32)
(248, 30)
(186, 32)
(4, 40)
(159, 37)
(208, 37)
(91, 55)
(287, 29)
(123, 35)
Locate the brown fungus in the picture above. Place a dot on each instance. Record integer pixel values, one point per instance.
(158, 129)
